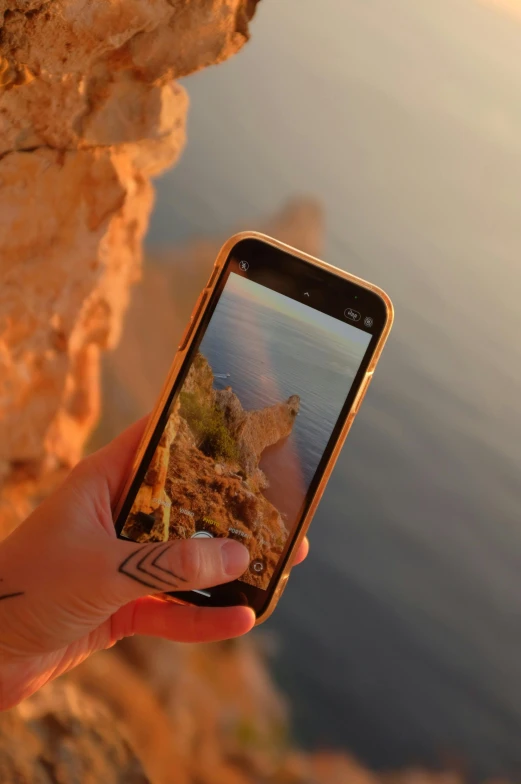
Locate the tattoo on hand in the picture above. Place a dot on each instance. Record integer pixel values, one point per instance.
(144, 569)
(9, 595)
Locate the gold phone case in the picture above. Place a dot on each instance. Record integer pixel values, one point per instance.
(184, 348)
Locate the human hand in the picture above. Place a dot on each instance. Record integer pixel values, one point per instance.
(70, 587)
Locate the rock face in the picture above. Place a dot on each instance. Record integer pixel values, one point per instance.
(256, 430)
(98, 73)
(204, 474)
(63, 735)
(89, 111)
(223, 503)
(152, 499)
(71, 227)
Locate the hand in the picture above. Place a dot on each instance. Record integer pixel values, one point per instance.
(70, 587)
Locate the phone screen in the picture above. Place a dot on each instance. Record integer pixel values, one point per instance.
(255, 410)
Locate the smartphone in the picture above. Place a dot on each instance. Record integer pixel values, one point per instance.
(266, 382)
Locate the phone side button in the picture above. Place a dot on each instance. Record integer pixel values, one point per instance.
(215, 271)
(282, 585)
(199, 305)
(185, 336)
(361, 392)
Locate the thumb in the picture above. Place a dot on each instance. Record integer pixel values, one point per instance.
(180, 565)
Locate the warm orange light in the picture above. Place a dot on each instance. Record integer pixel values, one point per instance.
(510, 6)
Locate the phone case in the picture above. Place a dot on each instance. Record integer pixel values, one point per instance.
(184, 348)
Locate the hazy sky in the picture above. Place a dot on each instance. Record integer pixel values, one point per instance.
(248, 289)
(512, 7)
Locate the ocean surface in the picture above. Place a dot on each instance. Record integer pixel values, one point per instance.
(400, 638)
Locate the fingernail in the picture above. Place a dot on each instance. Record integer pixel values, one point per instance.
(235, 557)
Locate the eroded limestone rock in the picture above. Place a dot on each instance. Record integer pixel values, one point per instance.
(89, 111)
(61, 734)
(256, 430)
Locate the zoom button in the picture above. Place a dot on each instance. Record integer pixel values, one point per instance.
(213, 276)
(352, 314)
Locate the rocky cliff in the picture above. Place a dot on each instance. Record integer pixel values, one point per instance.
(152, 500)
(63, 735)
(254, 431)
(89, 112)
(205, 475)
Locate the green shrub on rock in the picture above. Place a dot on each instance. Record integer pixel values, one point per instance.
(208, 427)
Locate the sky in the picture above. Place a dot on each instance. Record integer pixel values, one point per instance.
(509, 6)
(297, 310)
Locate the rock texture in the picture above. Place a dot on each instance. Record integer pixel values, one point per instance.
(185, 490)
(62, 735)
(89, 111)
(256, 430)
(152, 500)
(79, 73)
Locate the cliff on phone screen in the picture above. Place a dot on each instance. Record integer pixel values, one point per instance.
(205, 473)
(249, 426)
